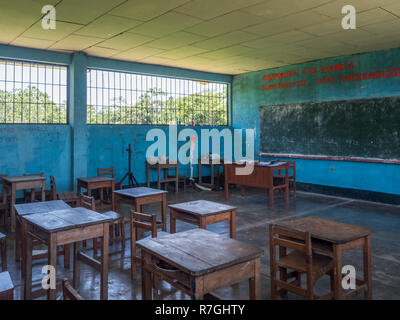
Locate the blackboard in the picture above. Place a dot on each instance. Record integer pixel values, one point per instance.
(367, 128)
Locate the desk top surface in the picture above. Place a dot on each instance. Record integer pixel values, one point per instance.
(139, 192)
(202, 207)
(28, 178)
(326, 229)
(5, 281)
(40, 207)
(66, 219)
(199, 251)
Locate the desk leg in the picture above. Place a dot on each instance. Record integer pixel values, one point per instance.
(158, 177)
(254, 282)
(233, 224)
(76, 277)
(12, 213)
(147, 288)
(164, 211)
(337, 267)
(212, 174)
(200, 172)
(133, 248)
(43, 194)
(172, 221)
(271, 197)
(89, 190)
(79, 188)
(177, 179)
(147, 175)
(203, 223)
(27, 260)
(5, 194)
(18, 233)
(112, 195)
(67, 250)
(24, 247)
(104, 264)
(52, 261)
(367, 267)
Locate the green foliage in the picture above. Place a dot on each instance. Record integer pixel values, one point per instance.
(30, 105)
(156, 107)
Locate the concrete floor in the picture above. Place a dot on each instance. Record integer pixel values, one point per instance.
(253, 218)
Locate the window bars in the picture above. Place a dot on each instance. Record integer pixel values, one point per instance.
(127, 98)
(32, 93)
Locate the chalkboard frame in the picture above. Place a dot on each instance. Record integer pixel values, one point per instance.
(386, 109)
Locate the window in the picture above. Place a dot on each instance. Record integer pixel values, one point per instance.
(32, 93)
(127, 98)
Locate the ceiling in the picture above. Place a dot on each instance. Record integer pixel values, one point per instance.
(222, 36)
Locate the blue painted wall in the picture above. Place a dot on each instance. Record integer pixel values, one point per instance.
(249, 95)
(76, 149)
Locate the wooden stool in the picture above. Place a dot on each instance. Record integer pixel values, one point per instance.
(6, 287)
(3, 246)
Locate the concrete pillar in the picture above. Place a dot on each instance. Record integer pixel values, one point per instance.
(77, 116)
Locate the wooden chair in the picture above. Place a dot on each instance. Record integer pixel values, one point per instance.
(147, 222)
(292, 175)
(117, 223)
(108, 172)
(70, 198)
(4, 206)
(6, 286)
(37, 193)
(301, 260)
(3, 249)
(69, 293)
(181, 178)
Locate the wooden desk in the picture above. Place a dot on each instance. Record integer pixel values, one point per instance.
(6, 286)
(212, 163)
(34, 208)
(261, 177)
(334, 238)
(99, 182)
(64, 227)
(165, 167)
(140, 196)
(203, 262)
(202, 213)
(20, 183)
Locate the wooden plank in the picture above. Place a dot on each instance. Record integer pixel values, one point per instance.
(66, 219)
(139, 192)
(327, 230)
(200, 251)
(201, 207)
(79, 234)
(40, 207)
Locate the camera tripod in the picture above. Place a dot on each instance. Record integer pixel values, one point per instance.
(131, 178)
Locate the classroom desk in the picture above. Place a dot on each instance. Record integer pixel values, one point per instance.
(98, 182)
(202, 213)
(199, 261)
(35, 208)
(261, 177)
(167, 178)
(333, 238)
(21, 183)
(64, 227)
(140, 196)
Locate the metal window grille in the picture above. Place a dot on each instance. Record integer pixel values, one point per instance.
(127, 98)
(33, 93)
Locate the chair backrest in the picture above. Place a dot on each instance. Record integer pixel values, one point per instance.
(53, 188)
(144, 221)
(87, 202)
(106, 172)
(69, 293)
(290, 239)
(1, 184)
